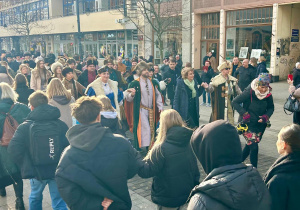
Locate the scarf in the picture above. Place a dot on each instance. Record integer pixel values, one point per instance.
(260, 96)
(191, 85)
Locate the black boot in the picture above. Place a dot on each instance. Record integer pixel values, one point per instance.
(20, 204)
(2, 192)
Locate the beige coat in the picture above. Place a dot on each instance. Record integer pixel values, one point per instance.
(78, 88)
(35, 81)
(213, 63)
(65, 111)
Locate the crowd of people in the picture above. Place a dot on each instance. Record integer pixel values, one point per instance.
(63, 124)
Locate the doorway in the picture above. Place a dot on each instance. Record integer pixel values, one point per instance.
(210, 46)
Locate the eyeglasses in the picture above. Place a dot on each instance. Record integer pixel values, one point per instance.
(227, 68)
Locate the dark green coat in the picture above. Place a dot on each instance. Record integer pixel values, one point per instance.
(19, 113)
(133, 118)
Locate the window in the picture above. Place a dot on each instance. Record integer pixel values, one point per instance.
(250, 16)
(210, 19)
(68, 7)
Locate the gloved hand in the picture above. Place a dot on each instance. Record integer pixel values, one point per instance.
(246, 117)
(264, 118)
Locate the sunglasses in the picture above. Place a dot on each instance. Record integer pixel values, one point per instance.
(227, 68)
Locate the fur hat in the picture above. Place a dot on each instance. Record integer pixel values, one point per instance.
(27, 54)
(40, 58)
(224, 65)
(55, 65)
(103, 69)
(92, 62)
(141, 66)
(66, 70)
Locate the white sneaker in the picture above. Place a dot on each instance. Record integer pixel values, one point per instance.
(208, 105)
(202, 104)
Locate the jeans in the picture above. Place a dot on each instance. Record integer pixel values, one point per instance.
(36, 195)
(204, 97)
(251, 149)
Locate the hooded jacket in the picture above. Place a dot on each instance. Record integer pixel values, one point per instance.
(63, 104)
(24, 92)
(174, 168)
(111, 120)
(246, 76)
(261, 68)
(19, 146)
(230, 184)
(97, 164)
(283, 182)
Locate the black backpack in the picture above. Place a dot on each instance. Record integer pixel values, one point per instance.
(45, 147)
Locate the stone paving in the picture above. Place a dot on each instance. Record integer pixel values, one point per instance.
(140, 189)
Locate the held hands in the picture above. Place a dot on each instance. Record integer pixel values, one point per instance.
(204, 84)
(106, 203)
(132, 91)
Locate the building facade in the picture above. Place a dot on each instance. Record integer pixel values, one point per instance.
(248, 29)
(54, 27)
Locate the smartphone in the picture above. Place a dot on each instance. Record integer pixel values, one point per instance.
(290, 76)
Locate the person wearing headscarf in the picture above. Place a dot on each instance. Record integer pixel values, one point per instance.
(223, 88)
(282, 178)
(230, 184)
(186, 99)
(258, 107)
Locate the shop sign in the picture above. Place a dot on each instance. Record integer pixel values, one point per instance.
(295, 32)
(295, 39)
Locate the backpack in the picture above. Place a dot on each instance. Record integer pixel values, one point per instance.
(9, 128)
(45, 148)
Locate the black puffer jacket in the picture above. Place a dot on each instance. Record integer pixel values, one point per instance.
(254, 107)
(229, 187)
(283, 182)
(97, 164)
(261, 68)
(174, 168)
(19, 146)
(171, 85)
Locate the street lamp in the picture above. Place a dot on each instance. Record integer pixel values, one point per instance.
(79, 34)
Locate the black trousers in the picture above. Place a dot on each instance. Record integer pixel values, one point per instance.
(253, 151)
(296, 118)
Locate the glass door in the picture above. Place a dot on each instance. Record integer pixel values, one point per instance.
(213, 46)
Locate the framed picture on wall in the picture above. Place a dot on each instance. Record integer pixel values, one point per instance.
(256, 53)
(243, 52)
(230, 44)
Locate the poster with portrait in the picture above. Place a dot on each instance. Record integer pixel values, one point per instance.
(256, 53)
(243, 52)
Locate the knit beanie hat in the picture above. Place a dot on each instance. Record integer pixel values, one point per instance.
(263, 79)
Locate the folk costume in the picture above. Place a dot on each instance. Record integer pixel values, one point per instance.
(223, 90)
(109, 89)
(142, 110)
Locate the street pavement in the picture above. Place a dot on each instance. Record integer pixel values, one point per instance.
(140, 189)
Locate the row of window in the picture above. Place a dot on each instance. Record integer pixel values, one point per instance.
(31, 12)
(86, 6)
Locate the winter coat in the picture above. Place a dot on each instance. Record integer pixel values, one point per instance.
(231, 68)
(97, 164)
(111, 120)
(206, 76)
(170, 74)
(35, 80)
(19, 112)
(63, 104)
(6, 78)
(183, 98)
(19, 147)
(83, 78)
(213, 63)
(24, 92)
(158, 77)
(254, 107)
(174, 168)
(76, 88)
(246, 76)
(283, 182)
(229, 187)
(261, 68)
(296, 77)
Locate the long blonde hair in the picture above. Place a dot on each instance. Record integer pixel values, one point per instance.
(168, 119)
(8, 92)
(56, 88)
(106, 103)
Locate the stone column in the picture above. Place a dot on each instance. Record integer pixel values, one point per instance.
(222, 46)
(186, 31)
(274, 70)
